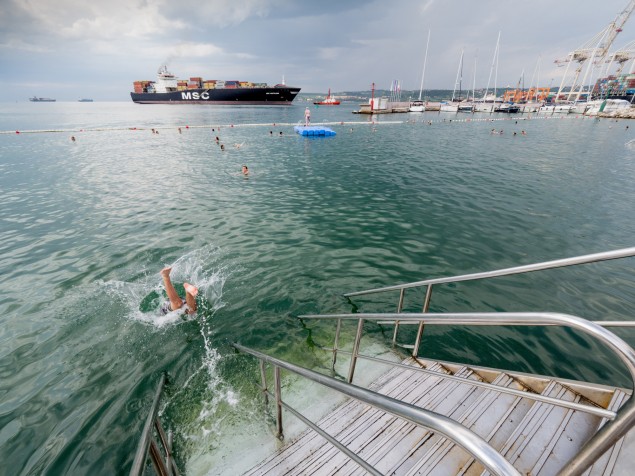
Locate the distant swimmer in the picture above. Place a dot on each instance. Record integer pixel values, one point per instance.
(175, 302)
(270, 133)
(180, 131)
(238, 146)
(217, 139)
(523, 133)
(245, 170)
(280, 132)
(222, 147)
(73, 137)
(307, 116)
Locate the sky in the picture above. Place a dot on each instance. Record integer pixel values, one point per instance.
(69, 49)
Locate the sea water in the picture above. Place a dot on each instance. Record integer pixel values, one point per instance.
(86, 226)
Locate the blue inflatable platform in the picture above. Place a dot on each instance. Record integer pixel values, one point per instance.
(314, 131)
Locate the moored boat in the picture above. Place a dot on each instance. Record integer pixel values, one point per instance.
(606, 106)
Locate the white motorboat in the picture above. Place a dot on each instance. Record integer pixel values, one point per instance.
(607, 106)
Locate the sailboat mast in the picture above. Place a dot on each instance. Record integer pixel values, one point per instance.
(425, 60)
(474, 78)
(461, 76)
(489, 79)
(456, 81)
(496, 70)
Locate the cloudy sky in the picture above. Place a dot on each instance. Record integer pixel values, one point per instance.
(69, 49)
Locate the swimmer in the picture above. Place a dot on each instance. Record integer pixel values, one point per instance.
(222, 147)
(280, 132)
(245, 170)
(523, 133)
(180, 131)
(270, 133)
(238, 146)
(351, 129)
(153, 131)
(73, 137)
(175, 301)
(217, 139)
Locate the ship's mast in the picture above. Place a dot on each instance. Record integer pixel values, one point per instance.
(596, 49)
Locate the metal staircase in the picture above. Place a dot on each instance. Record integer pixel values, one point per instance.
(468, 420)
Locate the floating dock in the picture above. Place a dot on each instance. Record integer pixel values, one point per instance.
(314, 131)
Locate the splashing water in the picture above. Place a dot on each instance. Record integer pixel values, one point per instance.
(143, 299)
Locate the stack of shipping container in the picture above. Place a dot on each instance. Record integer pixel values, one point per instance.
(198, 83)
(622, 85)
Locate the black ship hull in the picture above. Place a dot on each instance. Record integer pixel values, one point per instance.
(275, 96)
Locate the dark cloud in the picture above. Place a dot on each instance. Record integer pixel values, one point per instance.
(343, 45)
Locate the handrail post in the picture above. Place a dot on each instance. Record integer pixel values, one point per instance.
(276, 377)
(146, 436)
(337, 341)
(263, 377)
(402, 293)
(426, 307)
(358, 338)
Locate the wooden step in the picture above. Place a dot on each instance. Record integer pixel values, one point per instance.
(492, 412)
(615, 457)
(342, 421)
(547, 435)
(360, 434)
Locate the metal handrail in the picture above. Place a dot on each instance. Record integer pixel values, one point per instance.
(603, 439)
(443, 425)
(147, 444)
(584, 259)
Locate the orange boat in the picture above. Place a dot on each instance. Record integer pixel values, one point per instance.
(328, 101)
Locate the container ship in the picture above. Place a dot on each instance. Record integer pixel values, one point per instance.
(168, 89)
(37, 99)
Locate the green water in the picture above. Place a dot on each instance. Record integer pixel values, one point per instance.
(86, 227)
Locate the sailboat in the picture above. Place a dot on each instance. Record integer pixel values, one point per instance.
(453, 106)
(328, 101)
(418, 105)
(488, 101)
(467, 105)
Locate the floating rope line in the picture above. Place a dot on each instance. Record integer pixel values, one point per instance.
(291, 124)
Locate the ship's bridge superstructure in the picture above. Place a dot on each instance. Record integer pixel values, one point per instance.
(166, 81)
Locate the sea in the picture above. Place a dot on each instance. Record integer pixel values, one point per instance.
(86, 226)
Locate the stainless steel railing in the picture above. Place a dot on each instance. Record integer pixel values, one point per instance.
(148, 443)
(622, 420)
(584, 259)
(445, 426)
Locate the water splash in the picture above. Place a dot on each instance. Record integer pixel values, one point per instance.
(143, 298)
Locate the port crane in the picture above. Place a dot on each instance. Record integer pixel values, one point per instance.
(594, 51)
(621, 57)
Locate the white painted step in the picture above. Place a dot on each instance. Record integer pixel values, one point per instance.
(549, 435)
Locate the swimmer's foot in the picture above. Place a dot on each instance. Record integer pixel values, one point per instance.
(190, 289)
(166, 271)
